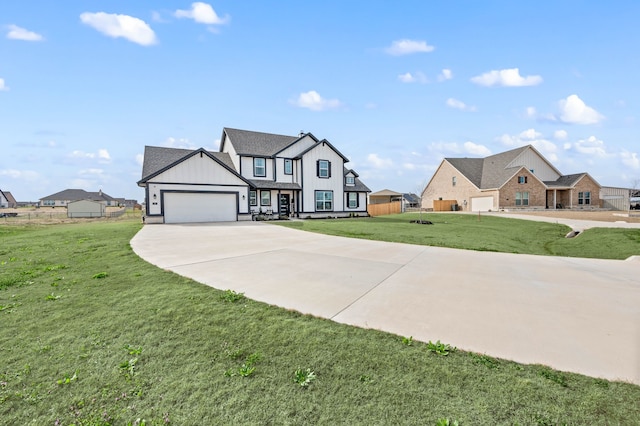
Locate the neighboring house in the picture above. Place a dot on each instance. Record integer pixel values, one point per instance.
(62, 198)
(384, 196)
(252, 173)
(7, 200)
(86, 208)
(411, 200)
(519, 178)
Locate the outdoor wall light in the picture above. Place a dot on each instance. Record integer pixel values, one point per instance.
(243, 197)
(155, 196)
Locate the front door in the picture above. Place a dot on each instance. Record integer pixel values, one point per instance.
(284, 205)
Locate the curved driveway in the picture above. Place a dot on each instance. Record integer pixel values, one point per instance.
(579, 315)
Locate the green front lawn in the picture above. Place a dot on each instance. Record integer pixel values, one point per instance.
(93, 335)
(482, 233)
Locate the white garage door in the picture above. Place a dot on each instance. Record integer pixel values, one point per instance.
(481, 204)
(184, 207)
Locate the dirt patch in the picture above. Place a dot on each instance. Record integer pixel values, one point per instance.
(601, 216)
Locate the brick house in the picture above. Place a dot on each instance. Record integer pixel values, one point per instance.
(519, 178)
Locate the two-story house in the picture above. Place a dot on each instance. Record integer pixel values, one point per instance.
(253, 173)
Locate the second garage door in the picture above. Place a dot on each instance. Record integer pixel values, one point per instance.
(481, 204)
(189, 207)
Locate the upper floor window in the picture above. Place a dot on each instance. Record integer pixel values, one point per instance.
(288, 166)
(350, 180)
(584, 198)
(453, 181)
(259, 167)
(324, 168)
(522, 179)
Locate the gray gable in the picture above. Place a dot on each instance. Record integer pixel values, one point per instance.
(68, 194)
(157, 158)
(257, 144)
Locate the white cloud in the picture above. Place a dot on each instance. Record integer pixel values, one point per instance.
(114, 25)
(573, 110)
(91, 172)
(508, 78)
(23, 175)
(139, 159)
(18, 33)
(172, 142)
(379, 163)
(475, 149)
(418, 77)
(102, 155)
(630, 159)
(3, 87)
(407, 47)
(560, 135)
(456, 104)
(531, 112)
(532, 137)
(313, 101)
(591, 146)
(445, 74)
(157, 17)
(202, 13)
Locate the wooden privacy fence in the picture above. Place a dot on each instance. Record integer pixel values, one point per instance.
(444, 205)
(384, 208)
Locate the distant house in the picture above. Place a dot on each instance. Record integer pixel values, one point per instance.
(384, 196)
(86, 208)
(411, 200)
(253, 173)
(7, 200)
(519, 178)
(63, 198)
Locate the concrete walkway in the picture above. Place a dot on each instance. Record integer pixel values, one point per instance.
(579, 315)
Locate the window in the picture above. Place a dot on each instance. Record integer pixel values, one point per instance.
(265, 198)
(49, 202)
(522, 179)
(352, 198)
(453, 181)
(259, 167)
(324, 201)
(324, 168)
(533, 172)
(350, 180)
(584, 198)
(522, 198)
(253, 198)
(288, 166)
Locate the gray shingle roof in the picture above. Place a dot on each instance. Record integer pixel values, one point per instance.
(565, 181)
(158, 158)
(489, 172)
(257, 144)
(78, 194)
(269, 184)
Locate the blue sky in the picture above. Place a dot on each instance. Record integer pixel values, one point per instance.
(395, 86)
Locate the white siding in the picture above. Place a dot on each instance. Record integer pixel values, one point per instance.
(532, 161)
(295, 149)
(311, 182)
(247, 168)
(281, 176)
(201, 170)
(228, 148)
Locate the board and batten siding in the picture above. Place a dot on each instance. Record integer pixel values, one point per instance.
(295, 149)
(247, 168)
(281, 176)
(312, 183)
(532, 161)
(235, 158)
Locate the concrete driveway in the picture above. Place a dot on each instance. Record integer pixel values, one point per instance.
(579, 315)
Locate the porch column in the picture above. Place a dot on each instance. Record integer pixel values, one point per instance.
(555, 203)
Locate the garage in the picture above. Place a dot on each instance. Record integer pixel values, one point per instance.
(190, 207)
(481, 204)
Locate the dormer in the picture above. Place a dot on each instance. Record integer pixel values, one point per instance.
(350, 178)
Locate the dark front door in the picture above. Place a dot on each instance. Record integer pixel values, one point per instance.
(284, 205)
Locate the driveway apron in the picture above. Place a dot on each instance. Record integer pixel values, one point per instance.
(578, 315)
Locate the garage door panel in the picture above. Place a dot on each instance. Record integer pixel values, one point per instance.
(481, 204)
(191, 207)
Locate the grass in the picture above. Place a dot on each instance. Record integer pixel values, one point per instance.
(489, 233)
(126, 342)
